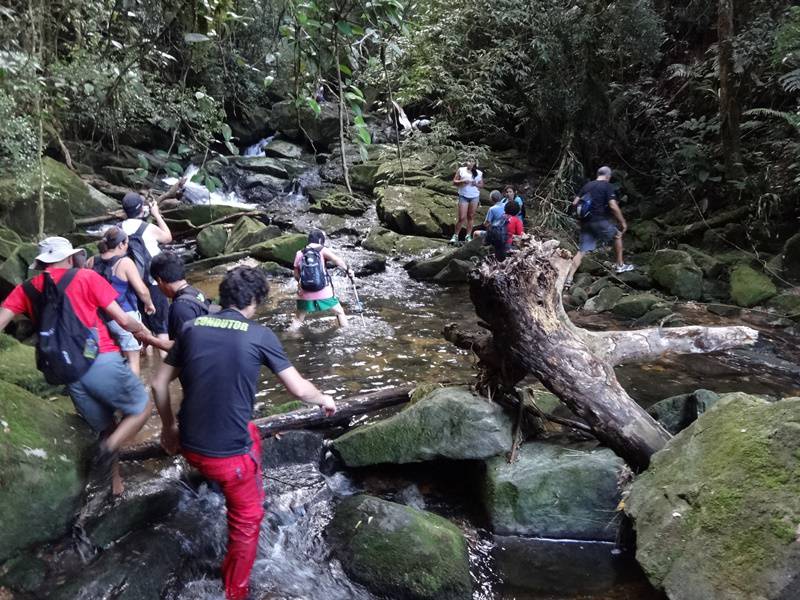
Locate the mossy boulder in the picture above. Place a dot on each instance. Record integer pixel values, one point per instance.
(201, 214)
(750, 287)
(9, 240)
(281, 250)
(678, 412)
(635, 305)
(448, 423)
(211, 241)
(711, 266)
(676, 272)
(790, 258)
(322, 129)
(248, 232)
(605, 300)
(419, 211)
(42, 445)
(362, 176)
(437, 266)
(66, 197)
(717, 512)
(554, 491)
(787, 303)
(14, 270)
(340, 203)
(18, 366)
(386, 241)
(400, 552)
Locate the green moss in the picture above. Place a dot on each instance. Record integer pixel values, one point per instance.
(400, 551)
(749, 287)
(733, 479)
(282, 249)
(284, 408)
(18, 366)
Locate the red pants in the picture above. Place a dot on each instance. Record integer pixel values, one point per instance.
(240, 480)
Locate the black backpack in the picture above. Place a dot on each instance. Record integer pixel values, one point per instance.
(65, 348)
(584, 209)
(497, 234)
(138, 253)
(105, 268)
(206, 307)
(313, 276)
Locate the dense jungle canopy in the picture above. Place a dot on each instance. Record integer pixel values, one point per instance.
(695, 103)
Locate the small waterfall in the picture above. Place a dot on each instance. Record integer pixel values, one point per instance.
(197, 193)
(257, 149)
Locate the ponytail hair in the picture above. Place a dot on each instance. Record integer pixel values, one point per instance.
(112, 238)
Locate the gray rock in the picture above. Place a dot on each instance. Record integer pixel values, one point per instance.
(263, 165)
(555, 492)
(716, 513)
(675, 272)
(635, 305)
(283, 149)
(605, 300)
(448, 423)
(428, 268)
(678, 412)
(400, 552)
(292, 448)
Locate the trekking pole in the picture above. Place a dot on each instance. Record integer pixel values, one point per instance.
(358, 307)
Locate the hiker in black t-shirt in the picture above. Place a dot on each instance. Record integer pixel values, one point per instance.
(598, 228)
(187, 302)
(218, 359)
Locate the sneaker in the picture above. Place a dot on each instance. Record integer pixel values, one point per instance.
(454, 239)
(468, 239)
(623, 268)
(567, 284)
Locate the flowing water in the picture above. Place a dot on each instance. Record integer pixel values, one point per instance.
(396, 340)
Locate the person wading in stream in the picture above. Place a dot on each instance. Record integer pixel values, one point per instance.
(116, 268)
(314, 288)
(596, 204)
(187, 302)
(218, 359)
(76, 349)
(144, 239)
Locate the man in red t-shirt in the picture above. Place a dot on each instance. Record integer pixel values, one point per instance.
(109, 384)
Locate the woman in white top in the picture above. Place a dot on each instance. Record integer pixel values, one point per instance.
(469, 181)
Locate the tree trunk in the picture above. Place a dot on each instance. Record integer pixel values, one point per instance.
(305, 418)
(520, 300)
(728, 105)
(345, 170)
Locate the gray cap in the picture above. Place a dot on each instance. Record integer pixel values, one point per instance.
(604, 172)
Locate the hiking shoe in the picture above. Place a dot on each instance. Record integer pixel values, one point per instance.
(454, 239)
(567, 284)
(623, 268)
(468, 239)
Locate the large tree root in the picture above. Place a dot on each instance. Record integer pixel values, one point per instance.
(520, 301)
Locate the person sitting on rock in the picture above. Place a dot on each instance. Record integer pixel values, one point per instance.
(597, 227)
(510, 193)
(218, 359)
(496, 214)
(314, 288)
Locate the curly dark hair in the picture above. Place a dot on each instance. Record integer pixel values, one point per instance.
(512, 208)
(168, 267)
(243, 285)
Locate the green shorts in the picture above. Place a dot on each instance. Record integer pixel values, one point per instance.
(311, 306)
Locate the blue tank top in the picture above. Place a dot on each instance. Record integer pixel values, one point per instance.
(126, 296)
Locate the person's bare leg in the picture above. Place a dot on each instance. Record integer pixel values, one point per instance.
(340, 316)
(134, 361)
(461, 218)
(470, 216)
(618, 249)
(128, 427)
(297, 320)
(576, 263)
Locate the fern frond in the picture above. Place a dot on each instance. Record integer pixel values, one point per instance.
(791, 81)
(791, 118)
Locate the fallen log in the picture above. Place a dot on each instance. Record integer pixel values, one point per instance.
(305, 418)
(520, 300)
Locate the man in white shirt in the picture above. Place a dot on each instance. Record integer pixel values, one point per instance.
(152, 234)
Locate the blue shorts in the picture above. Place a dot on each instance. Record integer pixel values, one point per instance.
(125, 338)
(596, 233)
(465, 200)
(108, 386)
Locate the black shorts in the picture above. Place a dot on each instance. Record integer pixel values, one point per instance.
(157, 322)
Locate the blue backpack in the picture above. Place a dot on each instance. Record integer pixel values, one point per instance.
(584, 208)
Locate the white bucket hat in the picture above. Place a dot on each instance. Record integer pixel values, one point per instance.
(55, 249)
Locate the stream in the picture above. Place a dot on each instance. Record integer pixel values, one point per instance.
(398, 340)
